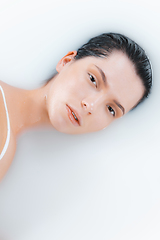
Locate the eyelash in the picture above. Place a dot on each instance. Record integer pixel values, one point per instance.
(92, 79)
(110, 109)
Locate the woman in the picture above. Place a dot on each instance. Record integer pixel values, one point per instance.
(101, 82)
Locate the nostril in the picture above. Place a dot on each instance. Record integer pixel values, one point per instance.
(84, 104)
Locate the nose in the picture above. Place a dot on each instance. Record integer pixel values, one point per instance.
(87, 107)
(89, 104)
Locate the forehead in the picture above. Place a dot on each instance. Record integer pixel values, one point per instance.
(122, 81)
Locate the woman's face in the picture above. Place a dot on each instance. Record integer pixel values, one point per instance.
(88, 94)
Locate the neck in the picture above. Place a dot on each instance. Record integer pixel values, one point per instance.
(27, 108)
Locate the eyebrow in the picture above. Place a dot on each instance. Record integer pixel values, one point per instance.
(102, 74)
(105, 82)
(120, 106)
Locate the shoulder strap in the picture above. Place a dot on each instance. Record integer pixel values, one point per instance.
(8, 126)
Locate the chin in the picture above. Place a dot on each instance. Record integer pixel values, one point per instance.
(69, 130)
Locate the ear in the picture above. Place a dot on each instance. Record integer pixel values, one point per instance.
(66, 59)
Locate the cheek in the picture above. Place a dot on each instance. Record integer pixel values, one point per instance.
(99, 121)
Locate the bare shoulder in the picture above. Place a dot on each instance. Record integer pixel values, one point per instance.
(7, 139)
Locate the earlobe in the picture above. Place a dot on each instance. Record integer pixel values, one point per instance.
(69, 57)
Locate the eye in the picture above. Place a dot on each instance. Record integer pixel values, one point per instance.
(111, 110)
(93, 80)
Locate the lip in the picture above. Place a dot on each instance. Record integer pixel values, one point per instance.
(71, 118)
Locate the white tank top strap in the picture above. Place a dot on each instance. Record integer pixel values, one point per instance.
(8, 126)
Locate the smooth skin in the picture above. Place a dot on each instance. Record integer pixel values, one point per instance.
(85, 96)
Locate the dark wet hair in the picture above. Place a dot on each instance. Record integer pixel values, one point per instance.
(104, 44)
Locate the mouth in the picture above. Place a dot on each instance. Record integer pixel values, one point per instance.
(73, 116)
